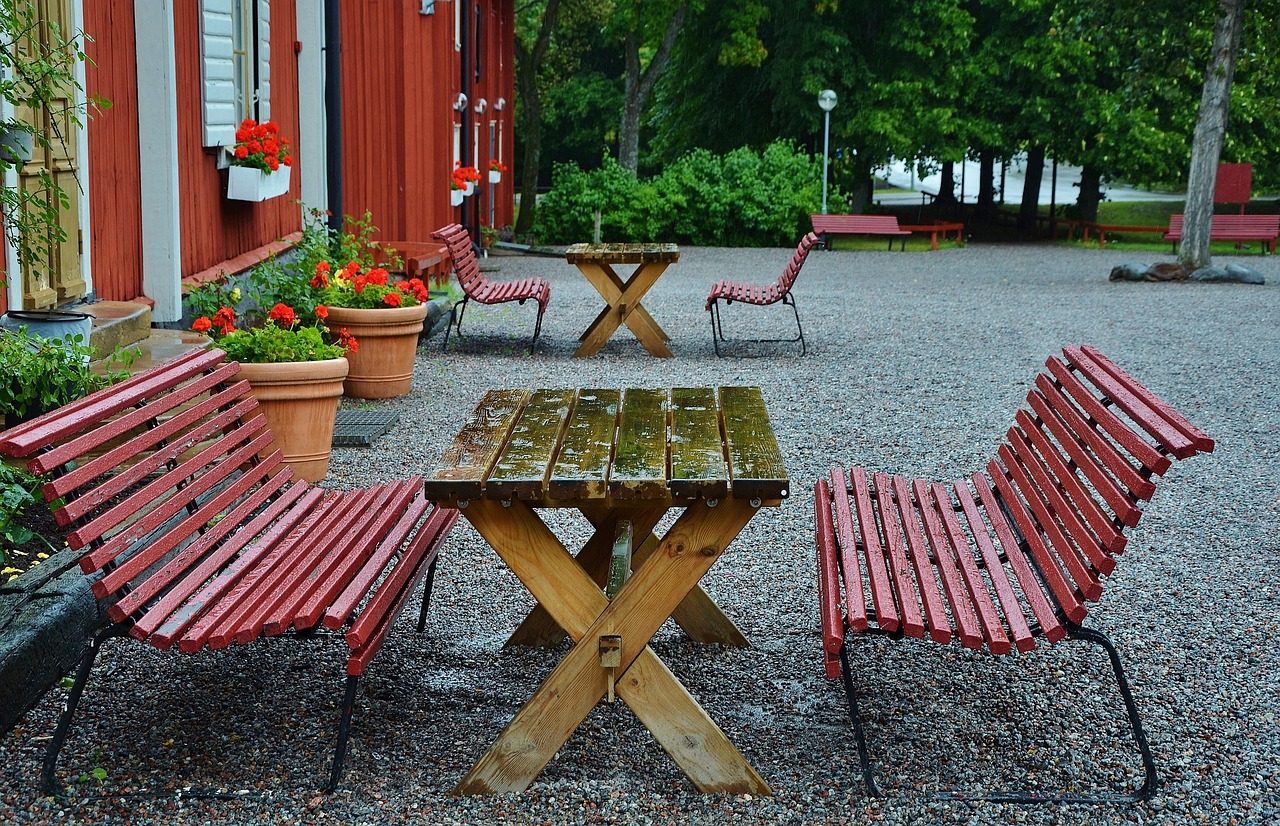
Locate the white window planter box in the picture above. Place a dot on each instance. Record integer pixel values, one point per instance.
(244, 183)
(495, 177)
(456, 196)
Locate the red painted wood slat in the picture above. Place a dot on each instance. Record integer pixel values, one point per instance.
(828, 580)
(1170, 438)
(1015, 620)
(887, 616)
(935, 614)
(850, 566)
(1138, 447)
(940, 626)
(962, 609)
(1079, 439)
(992, 624)
(900, 574)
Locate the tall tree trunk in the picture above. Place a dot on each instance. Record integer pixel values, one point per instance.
(986, 206)
(947, 185)
(1090, 193)
(1211, 131)
(639, 84)
(1031, 190)
(528, 62)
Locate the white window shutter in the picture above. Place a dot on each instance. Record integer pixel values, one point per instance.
(264, 60)
(217, 74)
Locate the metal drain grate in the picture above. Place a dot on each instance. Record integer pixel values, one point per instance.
(358, 428)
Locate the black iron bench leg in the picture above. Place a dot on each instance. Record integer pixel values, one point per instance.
(537, 328)
(864, 758)
(426, 595)
(790, 299)
(344, 729)
(717, 331)
(48, 780)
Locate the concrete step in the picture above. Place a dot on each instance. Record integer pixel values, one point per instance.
(160, 345)
(117, 324)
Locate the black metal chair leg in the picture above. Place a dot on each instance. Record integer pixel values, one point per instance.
(426, 595)
(453, 319)
(48, 780)
(1151, 779)
(790, 299)
(868, 777)
(717, 332)
(344, 728)
(537, 328)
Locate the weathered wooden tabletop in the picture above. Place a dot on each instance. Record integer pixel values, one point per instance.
(622, 253)
(563, 448)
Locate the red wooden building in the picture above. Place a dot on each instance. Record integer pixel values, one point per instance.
(424, 84)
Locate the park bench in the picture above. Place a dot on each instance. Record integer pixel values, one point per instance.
(936, 228)
(476, 286)
(1003, 558)
(761, 295)
(195, 535)
(827, 225)
(1263, 228)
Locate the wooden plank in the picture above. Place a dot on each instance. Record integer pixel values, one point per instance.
(522, 468)
(850, 567)
(581, 470)
(828, 579)
(992, 625)
(698, 463)
(756, 467)
(622, 253)
(1124, 435)
(1016, 621)
(962, 609)
(467, 461)
(1170, 437)
(640, 461)
(935, 616)
(1201, 440)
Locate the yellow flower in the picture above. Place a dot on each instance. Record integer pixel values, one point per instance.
(235, 294)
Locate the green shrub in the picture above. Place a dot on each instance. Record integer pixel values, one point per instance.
(739, 199)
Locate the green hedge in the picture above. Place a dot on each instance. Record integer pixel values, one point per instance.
(740, 199)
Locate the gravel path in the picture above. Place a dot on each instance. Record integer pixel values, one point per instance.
(916, 364)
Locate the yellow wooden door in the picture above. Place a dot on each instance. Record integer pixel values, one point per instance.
(54, 276)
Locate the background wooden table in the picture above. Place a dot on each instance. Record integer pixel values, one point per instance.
(623, 296)
(623, 458)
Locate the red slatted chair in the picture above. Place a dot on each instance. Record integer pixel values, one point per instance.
(196, 535)
(761, 295)
(1004, 558)
(476, 287)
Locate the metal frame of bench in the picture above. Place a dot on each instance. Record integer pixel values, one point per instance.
(761, 295)
(1261, 228)
(476, 286)
(195, 534)
(1018, 551)
(885, 225)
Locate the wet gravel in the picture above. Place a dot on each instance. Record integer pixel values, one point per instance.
(916, 364)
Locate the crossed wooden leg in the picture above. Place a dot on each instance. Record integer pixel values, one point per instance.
(624, 300)
(697, 613)
(579, 682)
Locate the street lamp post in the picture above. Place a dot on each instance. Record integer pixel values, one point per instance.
(827, 101)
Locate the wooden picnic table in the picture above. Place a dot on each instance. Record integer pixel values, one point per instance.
(622, 458)
(623, 296)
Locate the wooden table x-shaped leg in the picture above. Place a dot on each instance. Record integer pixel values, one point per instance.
(623, 298)
(697, 614)
(579, 682)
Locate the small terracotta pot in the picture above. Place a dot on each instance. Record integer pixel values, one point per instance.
(300, 403)
(387, 341)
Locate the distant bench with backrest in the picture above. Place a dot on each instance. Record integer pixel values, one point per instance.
(1264, 228)
(882, 225)
(196, 536)
(761, 295)
(1003, 558)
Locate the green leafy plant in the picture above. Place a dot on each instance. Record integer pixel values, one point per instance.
(44, 373)
(17, 495)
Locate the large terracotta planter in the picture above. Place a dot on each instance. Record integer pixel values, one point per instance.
(387, 340)
(300, 403)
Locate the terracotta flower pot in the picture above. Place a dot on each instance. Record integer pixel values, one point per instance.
(387, 340)
(300, 403)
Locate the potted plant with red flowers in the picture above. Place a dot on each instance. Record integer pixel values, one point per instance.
(295, 368)
(496, 168)
(466, 176)
(260, 162)
(386, 316)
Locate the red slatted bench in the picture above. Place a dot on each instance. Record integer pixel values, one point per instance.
(196, 535)
(476, 286)
(1001, 559)
(1263, 228)
(828, 225)
(761, 295)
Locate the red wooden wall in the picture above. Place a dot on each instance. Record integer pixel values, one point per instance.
(115, 209)
(400, 77)
(213, 228)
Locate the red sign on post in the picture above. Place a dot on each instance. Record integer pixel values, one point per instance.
(1235, 183)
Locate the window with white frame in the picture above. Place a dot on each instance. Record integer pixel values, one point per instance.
(235, 64)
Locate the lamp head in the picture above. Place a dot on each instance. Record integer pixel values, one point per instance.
(827, 100)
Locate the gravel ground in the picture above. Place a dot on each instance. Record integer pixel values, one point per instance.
(916, 364)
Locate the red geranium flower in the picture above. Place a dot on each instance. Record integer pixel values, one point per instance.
(284, 314)
(322, 312)
(202, 324)
(391, 299)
